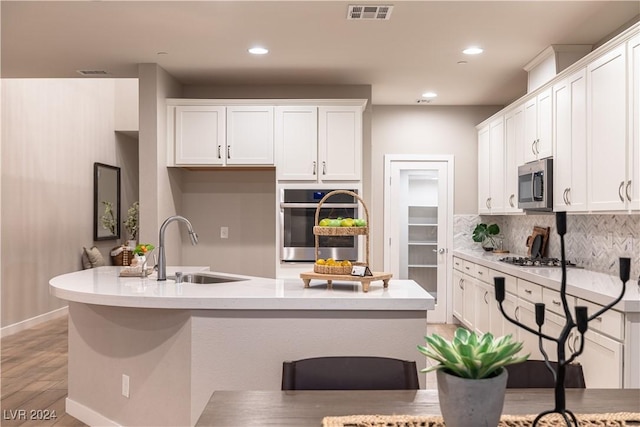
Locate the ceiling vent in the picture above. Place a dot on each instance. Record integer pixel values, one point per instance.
(369, 13)
(92, 72)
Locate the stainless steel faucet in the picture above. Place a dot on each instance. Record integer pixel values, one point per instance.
(162, 262)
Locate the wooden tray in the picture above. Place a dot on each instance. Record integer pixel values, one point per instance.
(329, 278)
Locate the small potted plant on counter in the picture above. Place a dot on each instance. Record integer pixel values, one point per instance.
(471, 376)
(484, 234)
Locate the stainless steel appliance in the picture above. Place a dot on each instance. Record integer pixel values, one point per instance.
(536, 262)
(297, 218)
(535, 185)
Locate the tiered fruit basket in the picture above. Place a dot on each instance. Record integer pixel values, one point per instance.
(342, 272)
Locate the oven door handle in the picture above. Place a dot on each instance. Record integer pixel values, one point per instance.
(315, 205)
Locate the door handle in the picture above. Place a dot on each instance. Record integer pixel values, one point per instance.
(626, 190)
(620, 191)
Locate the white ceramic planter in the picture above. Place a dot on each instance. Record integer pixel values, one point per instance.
(465, 402)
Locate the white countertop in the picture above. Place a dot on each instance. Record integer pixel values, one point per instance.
(589, 285)
(103, 286)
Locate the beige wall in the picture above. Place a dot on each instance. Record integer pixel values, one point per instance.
(424, 130)
(53, 130)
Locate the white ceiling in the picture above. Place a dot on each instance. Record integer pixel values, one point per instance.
(311, 42)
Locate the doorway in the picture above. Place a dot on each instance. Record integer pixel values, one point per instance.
(418, 225)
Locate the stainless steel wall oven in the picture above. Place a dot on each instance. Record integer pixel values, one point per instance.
(297, 218)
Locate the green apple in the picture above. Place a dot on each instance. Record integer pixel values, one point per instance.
(334, 223)
(347, 222)
(359, 222)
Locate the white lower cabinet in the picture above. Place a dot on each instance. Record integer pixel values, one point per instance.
(475, 307)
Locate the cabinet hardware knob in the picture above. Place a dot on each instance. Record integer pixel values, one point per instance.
(516, 313)
(219, 155)
(324, 168)
(620, 191)
(599, 319)
(511, 200)
(533, 145)
(626, 190)
(555, 302)
(485, 297)
(314, 167)
(228, 151)
(461, 284)
(528, 291)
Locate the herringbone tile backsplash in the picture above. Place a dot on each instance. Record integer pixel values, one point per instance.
(594, 242)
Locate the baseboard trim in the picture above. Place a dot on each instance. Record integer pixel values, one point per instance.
(34, 321)
(87, 415)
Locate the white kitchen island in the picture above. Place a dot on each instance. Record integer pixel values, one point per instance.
(177, 343)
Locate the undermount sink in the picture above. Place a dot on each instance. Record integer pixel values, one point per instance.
(205, 279)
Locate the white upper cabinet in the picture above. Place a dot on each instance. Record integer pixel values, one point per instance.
(537, 127)
(199, 134)
(514, 156)
(491, 163)
(319, 144)
(249, 135)
(340, 143)
(607, 130)
(484, 179)
(297, 143)
(307, 140)
(632, 189)
(570, 139)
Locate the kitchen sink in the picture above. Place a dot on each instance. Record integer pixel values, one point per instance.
(205, 279)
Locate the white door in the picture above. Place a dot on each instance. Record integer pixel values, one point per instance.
(418, 225)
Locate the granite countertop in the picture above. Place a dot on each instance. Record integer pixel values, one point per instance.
(589, 285)
(103, 286)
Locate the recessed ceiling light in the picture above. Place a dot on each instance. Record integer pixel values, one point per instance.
(429, 95)
(473, 50)
(462, 62)
(258, 50)
(163, 53)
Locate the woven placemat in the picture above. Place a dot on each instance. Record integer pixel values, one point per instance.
(620, 419)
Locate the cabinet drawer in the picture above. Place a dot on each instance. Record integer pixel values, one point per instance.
(469, 268)
(609, 323)
(482, 273)
(510, 283)
(457, 264)
(553, 302)
(529, 291)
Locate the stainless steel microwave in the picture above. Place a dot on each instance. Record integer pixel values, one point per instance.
(535, 185)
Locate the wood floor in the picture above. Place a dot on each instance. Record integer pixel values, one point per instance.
(34, 375)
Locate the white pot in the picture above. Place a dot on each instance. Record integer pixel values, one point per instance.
(465, 402)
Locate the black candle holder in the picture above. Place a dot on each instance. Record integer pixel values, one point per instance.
(581, 323)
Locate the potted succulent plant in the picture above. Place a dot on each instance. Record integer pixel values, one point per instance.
(471, 376)
(484, 234)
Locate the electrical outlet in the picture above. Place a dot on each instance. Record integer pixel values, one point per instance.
(125, 385)
(224, 232)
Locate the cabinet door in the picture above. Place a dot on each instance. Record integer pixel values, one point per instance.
(250, 135)
(601, 351)
(458, 294)
(607, 130)
(469, 295)
(632, 189)
(544, 144)
(527, 315)
(570, 131)
(496, 166)
(530, 130)
(199, 134)
(340, 143)
(483, 307)
(538, 119)
(484, 171)
(296, 143)
(514, 156)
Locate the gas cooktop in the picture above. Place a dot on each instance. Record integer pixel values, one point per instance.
(536, 262)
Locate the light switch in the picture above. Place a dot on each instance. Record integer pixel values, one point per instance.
(224, 232)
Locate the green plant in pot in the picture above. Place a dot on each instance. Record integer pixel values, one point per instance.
(484, 234)
(471, 376)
